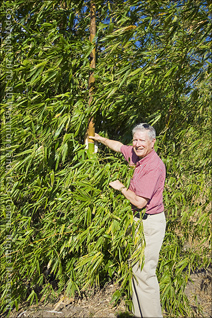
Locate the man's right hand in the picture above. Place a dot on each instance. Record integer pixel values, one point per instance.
(97, 137)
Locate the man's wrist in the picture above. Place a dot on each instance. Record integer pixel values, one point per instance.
(122, 188)
(103, 140)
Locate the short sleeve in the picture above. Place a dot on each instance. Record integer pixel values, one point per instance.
(129, 155)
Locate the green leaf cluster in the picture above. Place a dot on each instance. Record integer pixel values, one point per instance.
(62, 228)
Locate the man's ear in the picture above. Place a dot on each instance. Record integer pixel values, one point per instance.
(153, 142)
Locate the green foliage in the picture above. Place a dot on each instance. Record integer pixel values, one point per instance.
(60, 222)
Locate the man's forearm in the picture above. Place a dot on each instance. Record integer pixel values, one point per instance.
(139, 202)
(112, 144)
(134, 199)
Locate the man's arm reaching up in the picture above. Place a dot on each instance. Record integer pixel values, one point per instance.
(112, 144)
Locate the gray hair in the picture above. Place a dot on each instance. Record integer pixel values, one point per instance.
(143, 127)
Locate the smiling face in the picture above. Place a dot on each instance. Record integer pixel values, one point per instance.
(142, 144)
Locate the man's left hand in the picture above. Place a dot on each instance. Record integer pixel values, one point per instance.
(117, 185)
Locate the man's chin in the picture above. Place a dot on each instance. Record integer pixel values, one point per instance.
(140, 154)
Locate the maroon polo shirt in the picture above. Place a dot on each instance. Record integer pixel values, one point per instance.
(148, 179)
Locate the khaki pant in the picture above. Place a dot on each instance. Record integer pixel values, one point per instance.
(146, 292)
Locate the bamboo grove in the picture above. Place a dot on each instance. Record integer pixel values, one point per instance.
(63, 230)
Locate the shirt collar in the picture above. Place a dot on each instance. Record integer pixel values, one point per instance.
(146, 158)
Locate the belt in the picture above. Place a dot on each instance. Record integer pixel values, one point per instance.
(144, 216)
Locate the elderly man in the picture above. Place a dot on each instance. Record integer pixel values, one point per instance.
(145, 191)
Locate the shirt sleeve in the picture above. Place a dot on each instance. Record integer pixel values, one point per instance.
(129, 154)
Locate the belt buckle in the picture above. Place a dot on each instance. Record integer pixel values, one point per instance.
(137, 215)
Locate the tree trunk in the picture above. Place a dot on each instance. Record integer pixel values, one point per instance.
(91, 126)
